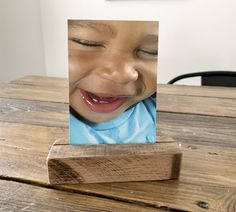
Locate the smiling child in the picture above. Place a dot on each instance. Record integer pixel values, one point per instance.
(112, 78)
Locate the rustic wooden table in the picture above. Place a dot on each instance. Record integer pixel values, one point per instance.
(34, 113)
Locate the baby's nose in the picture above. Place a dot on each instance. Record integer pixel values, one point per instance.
(119, 71)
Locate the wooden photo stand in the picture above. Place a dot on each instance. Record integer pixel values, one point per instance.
(72, 164)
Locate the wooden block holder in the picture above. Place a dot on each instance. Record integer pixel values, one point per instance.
(72, 164)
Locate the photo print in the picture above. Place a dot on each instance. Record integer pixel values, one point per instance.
(112, 81)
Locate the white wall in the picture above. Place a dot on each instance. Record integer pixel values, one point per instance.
(21, 42)
(2, 43)
(195, 35)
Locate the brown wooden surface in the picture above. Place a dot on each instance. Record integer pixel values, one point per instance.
(71, 164)
(206, 91)
(34, 114)
(15, 196)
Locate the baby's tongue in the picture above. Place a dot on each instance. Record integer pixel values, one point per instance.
(102, 99)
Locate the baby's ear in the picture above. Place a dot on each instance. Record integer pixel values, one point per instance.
(154, 95)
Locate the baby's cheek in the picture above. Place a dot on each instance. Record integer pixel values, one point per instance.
(149, 78)
(81, 63)
(77, 69)
(152, 78)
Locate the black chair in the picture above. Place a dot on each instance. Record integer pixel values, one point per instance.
(211, 78)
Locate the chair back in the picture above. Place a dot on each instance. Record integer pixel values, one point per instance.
(211, 78)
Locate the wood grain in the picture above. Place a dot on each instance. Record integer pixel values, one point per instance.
(197, 105)
(113, 163)
(171, 98)
(24, 149)
(172, 194)
(203, 174)
(196, 129)
(182, 127)
(34, 112)
(197, 91)
(42, 81)
(207, 91)
(17, 143)
(16, 196)
(208, 144)
(32, 92)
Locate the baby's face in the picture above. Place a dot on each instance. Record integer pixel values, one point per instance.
(112, 66)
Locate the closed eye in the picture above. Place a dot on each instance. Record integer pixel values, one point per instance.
(88, 43)
(149, 52)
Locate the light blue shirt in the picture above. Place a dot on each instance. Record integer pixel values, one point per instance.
(135, 125)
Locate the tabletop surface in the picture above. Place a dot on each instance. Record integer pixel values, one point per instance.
(34, 113)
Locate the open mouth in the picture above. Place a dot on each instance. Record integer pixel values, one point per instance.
(102, 103)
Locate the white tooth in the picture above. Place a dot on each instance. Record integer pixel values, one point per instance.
(103, 102)
(95, 100)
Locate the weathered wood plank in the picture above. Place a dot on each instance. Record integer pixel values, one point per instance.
(166, 103)
(203, 164)
(201, 91)
(207, 91)
(204, 105)
(197, 105)
(113, 163)
(32, 92)
(195, 129)
(172, 194)
(24, 149)
(219, 162)
(16, 145)
(41, 81)
(16, 196)
(182, 127)
(208, 144)
(34, 112)
(205, 170)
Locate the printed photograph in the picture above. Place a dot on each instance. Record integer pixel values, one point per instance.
(112, 81)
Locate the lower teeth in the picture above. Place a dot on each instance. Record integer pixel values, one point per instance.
(99, 101)
(95, 100)
(103, 102)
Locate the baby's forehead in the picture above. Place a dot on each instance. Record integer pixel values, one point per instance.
(107, 24)
(97, 26)
(79, 22)
(144, 30)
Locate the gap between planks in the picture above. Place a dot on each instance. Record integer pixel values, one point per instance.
(92, 194)
(197, 114)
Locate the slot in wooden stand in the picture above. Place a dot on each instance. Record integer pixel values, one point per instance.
(72, 164)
